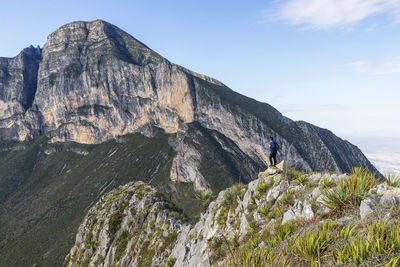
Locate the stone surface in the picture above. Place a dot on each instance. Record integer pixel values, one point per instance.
(301, 209)
(367, 207)
(128, 220)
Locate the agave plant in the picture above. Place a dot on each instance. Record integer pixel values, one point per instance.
(204, 199)
(350, 191)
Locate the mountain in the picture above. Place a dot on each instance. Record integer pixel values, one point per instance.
(95, 108)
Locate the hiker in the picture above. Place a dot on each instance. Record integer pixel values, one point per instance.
(273, 146)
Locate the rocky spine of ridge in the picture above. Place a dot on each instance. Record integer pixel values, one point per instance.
(281, 207)
(92, 82)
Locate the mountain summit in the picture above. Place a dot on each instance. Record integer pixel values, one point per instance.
(95, 108)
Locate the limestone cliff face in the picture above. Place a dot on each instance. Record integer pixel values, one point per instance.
(92, 82)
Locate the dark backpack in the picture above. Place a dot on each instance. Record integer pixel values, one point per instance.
(276, 146)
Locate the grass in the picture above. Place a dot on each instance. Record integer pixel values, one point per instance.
(349, 192)
(393, 180)
(263, 210)
(301, 180)
(229, 202)
(348, 243)
(326, 183)
(115, 223)
(286, 199)
(283, 231)
(292, 174)
(121, 243)
(262, 186)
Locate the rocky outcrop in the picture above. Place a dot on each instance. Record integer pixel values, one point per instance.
(133, 224)
(92, 82)
(148, 230)
(130, 226)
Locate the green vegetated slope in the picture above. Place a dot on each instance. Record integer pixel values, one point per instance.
(44, 197)
(46, 189)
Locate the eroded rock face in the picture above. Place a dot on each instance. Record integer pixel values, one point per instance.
(92, 82)
(130, 226)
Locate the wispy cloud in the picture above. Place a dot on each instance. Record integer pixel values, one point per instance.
(385, 66)
(326, 14)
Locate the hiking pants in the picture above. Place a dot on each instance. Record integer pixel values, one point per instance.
(272, 158)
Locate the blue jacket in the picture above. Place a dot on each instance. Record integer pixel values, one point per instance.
(273, 145)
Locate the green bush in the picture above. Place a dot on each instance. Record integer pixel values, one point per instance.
(301, 180)
(121, 244)
(262, 186)
(115, 223)
(285, 230)
(204, 199)
(350, 191)
(292, 174)
(393, 180)
(171, 261)
(326, 183)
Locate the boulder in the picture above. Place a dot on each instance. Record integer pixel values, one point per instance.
(367, 207)
(298, 210)
(277, 191)
(388, 199)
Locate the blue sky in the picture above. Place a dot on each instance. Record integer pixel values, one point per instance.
(334, 63)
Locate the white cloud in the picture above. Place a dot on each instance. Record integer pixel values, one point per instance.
(386, 66)
(325, 14)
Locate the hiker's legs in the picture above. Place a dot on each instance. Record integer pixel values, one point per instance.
(273, 154)
(272, 158)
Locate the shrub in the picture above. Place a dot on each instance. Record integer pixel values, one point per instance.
(350, 191)
(262, 186)
(231, 195)
(204, 199)
(264, 210)
(171, 261)
(115, 223)
(291, 174)
(301, 180)
(283, 231)
(326, 183)
(121, 243)
(393, 180)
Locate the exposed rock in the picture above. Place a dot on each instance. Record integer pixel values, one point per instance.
(130, 218)
(388, 199)
(367, 207)
(277, 191)
(299, 210)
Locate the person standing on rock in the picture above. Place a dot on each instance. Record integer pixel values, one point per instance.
(273, 146)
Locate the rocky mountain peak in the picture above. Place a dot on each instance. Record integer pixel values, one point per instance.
(88, 37)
